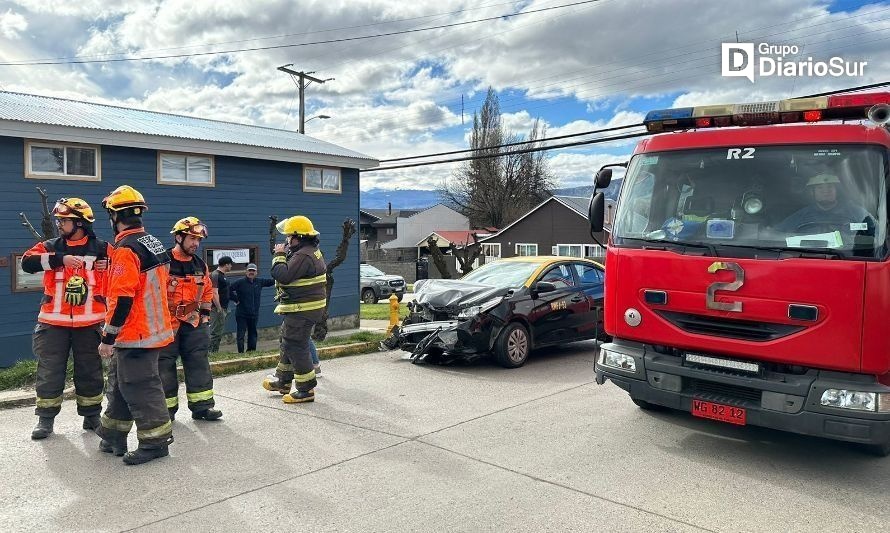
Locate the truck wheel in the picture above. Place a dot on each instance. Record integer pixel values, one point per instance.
(369, 297)
(646, 406)
(513, 346)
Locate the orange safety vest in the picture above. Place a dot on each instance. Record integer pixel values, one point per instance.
(188, 287)
(46, 256)
(138, 271)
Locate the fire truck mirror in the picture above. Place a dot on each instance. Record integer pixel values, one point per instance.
(596, 212)
(603, 178)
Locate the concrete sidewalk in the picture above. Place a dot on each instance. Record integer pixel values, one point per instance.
(391, 446)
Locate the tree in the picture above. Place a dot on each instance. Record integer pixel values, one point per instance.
(495, 191)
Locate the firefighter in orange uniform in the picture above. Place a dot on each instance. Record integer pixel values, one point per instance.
(71, 314)
(190, 297)
(137, 326)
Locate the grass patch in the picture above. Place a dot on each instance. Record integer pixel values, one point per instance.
(18, 375)
(332, 340)
(380, 311)
(24, 373)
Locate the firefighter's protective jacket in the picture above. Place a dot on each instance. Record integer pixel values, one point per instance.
(137, 316)
(71, 297)
(189, 289)
(300, 282)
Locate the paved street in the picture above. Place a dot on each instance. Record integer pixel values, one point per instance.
(390, 446)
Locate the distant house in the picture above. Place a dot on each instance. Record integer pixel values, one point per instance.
(231, 176)
(410, 230)
(378, 226)
(557, 226)
(460, 239)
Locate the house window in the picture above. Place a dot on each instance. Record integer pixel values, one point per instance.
(241, 255)
(569, 250)
(62, 161)
(523, 249)
(594, 250)
(185, 169)
(491, 251)
(23, 281)
(318, 179)
(390, 231)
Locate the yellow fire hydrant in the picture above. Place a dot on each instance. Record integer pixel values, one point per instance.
(393, 313)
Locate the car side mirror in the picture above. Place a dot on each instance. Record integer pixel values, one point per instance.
(542, 287)
(603, 178)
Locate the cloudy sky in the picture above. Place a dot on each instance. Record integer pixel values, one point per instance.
(576, 65)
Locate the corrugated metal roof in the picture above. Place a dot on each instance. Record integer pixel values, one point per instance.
(73, 113)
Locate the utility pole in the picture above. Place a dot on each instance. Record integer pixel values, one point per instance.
(302, 79)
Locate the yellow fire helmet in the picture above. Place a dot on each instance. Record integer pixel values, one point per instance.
(298, 225)
(822, 179)
(125, 197)
(74, 208)
(190, 226)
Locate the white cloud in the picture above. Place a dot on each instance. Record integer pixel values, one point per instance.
(401, 95)
(12, 24)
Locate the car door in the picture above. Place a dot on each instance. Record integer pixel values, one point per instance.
(558, 314)
(591, 281)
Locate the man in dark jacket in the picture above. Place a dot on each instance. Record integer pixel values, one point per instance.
(246, 294)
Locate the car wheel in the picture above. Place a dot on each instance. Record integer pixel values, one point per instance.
(400, 296)
(369, 297)
(513, 346)
(646, 406)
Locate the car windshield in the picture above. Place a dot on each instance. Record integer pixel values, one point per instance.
(369, 271)
(827, 198)
(504, 274)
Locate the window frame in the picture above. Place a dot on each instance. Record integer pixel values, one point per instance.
(594, 247)
(307, 188)
(581, 283)
(162, 181)
(518, 244)
(16, 268)
(31, 174)
(491, 245)
(580, 246)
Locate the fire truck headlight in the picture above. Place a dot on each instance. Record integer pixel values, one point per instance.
(848, 399)
(617, 360)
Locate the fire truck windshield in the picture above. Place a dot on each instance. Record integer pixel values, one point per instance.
(734, 201)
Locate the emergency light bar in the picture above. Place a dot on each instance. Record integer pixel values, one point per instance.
(873, 106)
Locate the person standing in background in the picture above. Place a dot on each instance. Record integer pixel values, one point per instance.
(219, 311)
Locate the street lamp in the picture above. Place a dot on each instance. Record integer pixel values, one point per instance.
(317, 116)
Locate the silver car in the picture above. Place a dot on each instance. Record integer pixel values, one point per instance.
(375, 285)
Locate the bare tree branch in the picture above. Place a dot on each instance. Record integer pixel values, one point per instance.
(438, 257)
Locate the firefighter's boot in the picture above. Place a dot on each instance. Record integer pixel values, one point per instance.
(91, 422)
(274, 384)
(207, 414)
(43, 428)
(144, 454)
(117, 446)
(299, 397)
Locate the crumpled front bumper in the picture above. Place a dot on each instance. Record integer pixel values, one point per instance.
(445, 341)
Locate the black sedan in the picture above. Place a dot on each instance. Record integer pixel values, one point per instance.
(506, 308)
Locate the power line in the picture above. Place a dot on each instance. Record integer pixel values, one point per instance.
(577, 143)
(295, 45)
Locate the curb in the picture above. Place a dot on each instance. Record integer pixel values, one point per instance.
(245, 364)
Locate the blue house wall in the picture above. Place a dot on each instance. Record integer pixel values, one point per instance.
(236, 212)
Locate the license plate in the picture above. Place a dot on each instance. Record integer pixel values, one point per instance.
(718, 411)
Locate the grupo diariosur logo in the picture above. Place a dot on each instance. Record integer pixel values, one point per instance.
(782, 60)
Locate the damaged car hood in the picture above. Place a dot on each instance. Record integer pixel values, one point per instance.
(454, 293)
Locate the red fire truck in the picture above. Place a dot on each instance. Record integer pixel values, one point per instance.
(749, 267)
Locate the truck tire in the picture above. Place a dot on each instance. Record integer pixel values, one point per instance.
(513, 346)
(369, 296)
(646, 406)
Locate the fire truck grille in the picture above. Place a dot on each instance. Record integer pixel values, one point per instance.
(724, 327)
(721, 392)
